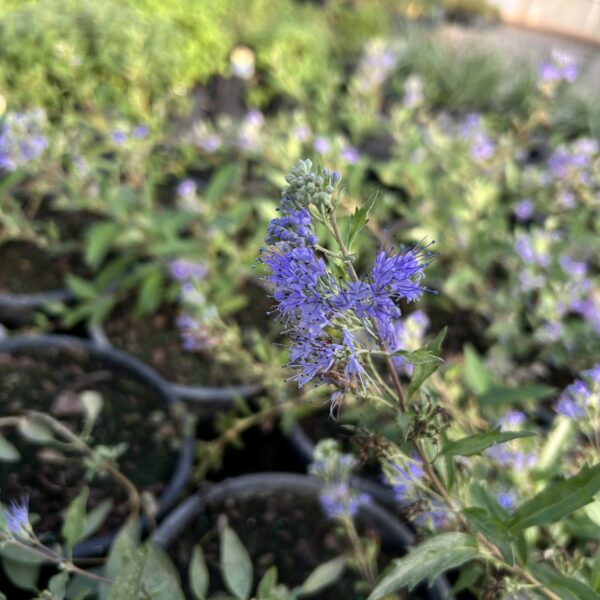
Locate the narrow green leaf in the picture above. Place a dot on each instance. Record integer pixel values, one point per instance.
(469, 575)
(82, 289)
(99, 240)
(557, 442)
(8, 453)
(360, 218)
(557, 500)
(96, 517)
(418, 357)
(267, 584)
(198, 574)
(73, 528)
(220, 183)
(236, 566)
(496, 396)
(423, 371)
(160, 578)
(428, 560)
(150, 292)
(477, 443)
(493, 529)
(476, 374)
(57, 585)
(121, 550)
(567, 588)
(323, 576)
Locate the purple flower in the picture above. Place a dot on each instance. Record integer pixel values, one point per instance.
(512, 419)
(210, 143)
(403, 479)
(507, 500)
(593, 373)
(524, 210)
(187, 188)
(339, 500)
(140, 132)
(182, 270)
(293, 229)
(22, 139)
(321, 145)
(17, 515)
(577, 269)
(569, 408)
(566, 199)
(434, 518)
(562, 67)
(301, 133)
(350, 154)
(482, 148)
(118, 137)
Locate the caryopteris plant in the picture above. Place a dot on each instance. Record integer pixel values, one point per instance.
(489, 498)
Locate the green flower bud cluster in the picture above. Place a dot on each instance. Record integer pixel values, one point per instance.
(307, 186)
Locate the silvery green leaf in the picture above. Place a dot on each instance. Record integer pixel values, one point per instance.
(35, 431)
(8, 453)
(428, 560)
(22, 574)
(267, 584)
(323, 576)
(198, 574)
(92, 403)
(236, 566)
(73, 529)
(423, 371)
(478, 442)
(476, 375)
(96, 517)
(57, 585)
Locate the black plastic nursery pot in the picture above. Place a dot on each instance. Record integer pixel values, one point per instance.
(156, 341)
(278, 518)
(48, 374)
(30, 279)
(304, 448)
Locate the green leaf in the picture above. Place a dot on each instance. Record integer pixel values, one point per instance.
(423, 371)
(99, 240)
(73, 529)
(150, 292)
(96, 517)
(128, 584)
(595, 575)
(35, 431)
(428, 560)
(493, 529)
(57, 585)
(557, 442)
(557, 500)
(360, 218)
(22, 574)
(567, 588)
(469, 575)
(236, 566)
(92, 404)
(121, 550)
(267, 584)
(82, 289)
(220, 183)
(8, 453)
(478, 442)
(323, 576)
(476, 374)
(160, 578)
(418, 357)
(198, 574)
(496, 396)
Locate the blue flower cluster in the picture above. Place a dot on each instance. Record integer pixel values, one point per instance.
(581, 396)
(22, 139)
(330, 322)
(17, 516)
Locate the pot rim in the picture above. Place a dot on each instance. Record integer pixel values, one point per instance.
(97, 546)
(391, 529)
(209, 397)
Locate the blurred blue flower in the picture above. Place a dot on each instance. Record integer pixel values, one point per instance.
(17, 515)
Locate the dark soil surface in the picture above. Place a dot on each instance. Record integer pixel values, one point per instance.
(25, 268)
(156, 340)
(277, 529)
(133, 413)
